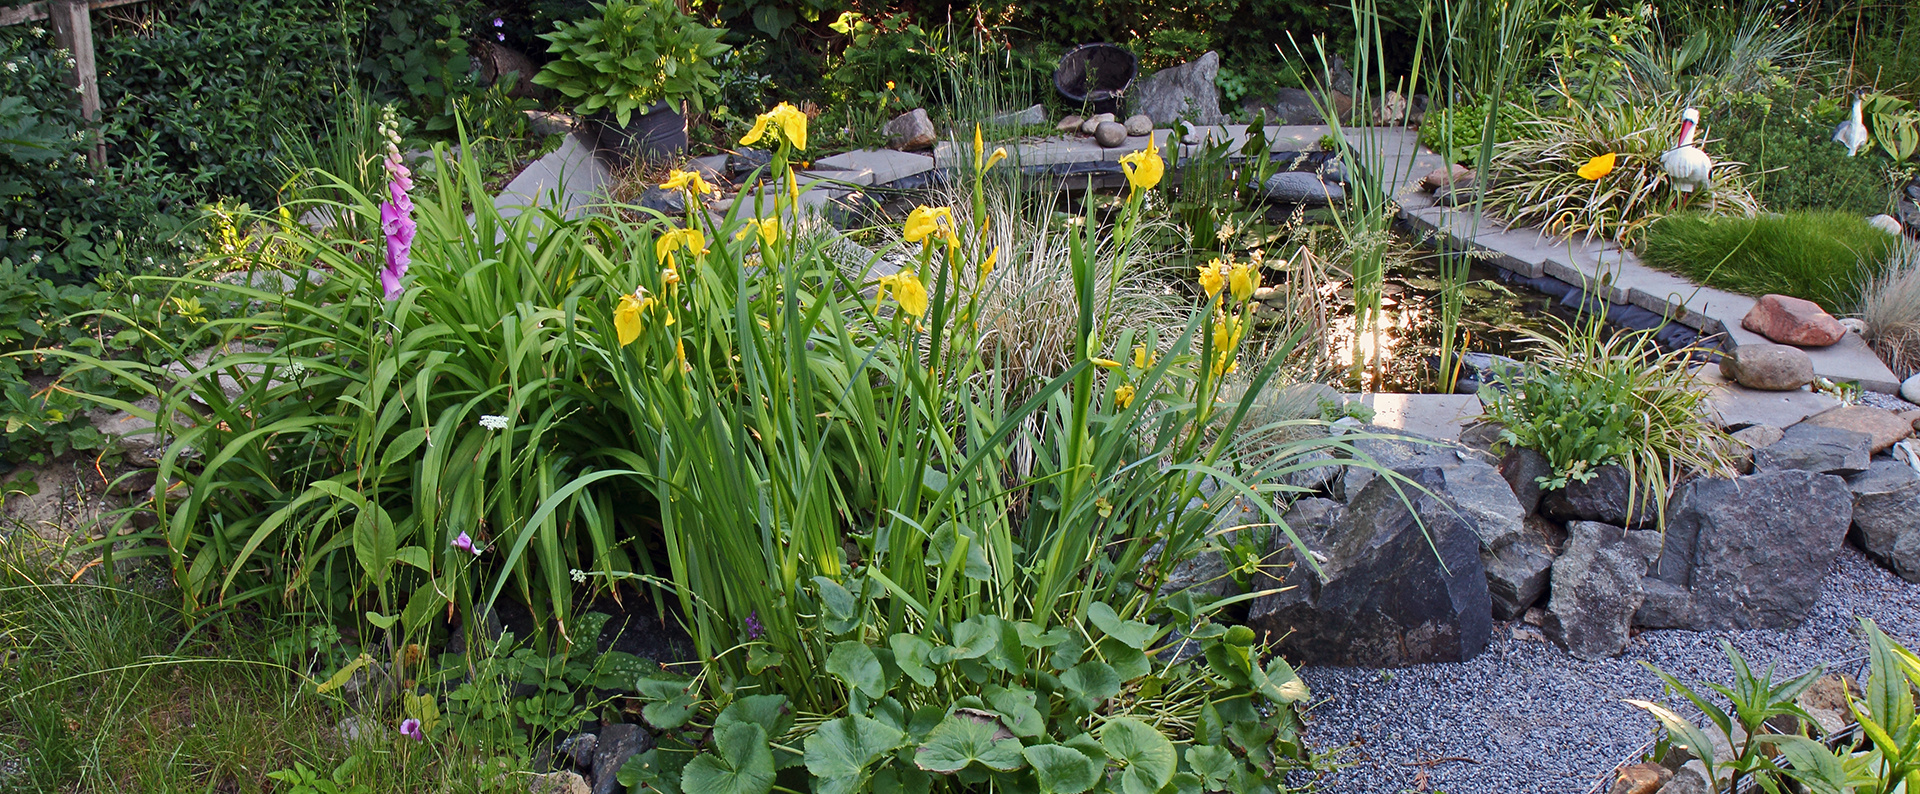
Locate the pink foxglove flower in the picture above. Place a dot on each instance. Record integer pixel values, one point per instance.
(396, 215)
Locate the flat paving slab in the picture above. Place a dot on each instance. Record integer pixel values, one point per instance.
(1736, 405)
(885, 165)
(1438, 416)
(569, 178)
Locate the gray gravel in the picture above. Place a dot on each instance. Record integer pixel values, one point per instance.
(1526, 717)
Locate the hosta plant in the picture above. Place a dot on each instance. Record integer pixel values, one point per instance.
(633, 55)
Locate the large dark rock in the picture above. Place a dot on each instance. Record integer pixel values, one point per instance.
(1288, 106)
(1666, 605)
(1517, 574)
(616, 744)
(1602, 498)
(1596, 590)
(1751, 551)
(1523, 469)
(1823, 450)
(1300, 187)
(1437, 608)
(1186, 92)
(1886, 516)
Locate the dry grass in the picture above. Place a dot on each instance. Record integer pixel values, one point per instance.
(1890, 304)
(1535, 179)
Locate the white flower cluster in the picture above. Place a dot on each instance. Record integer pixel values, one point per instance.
(491, 422)
(389, 128)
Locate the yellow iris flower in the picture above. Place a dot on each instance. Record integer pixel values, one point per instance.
(925, 221)
(694, 240)
(1213, 277)
(1105, 363)
(788, 121)
(688, 182)
(1243, 279)
(986, 268)
(907, 291)
(769, 229)
(1142, 359)
(981, 160)
(1123, 396)
(1598, 167)
(1144, 168)
(626, 316)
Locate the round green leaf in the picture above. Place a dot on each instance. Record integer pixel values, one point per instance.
(1061, 770)
(1145, 753)
(853, 662)
(1090, 684)
(743, 763)
(965, 738)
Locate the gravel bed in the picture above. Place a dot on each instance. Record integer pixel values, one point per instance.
(1525, 717)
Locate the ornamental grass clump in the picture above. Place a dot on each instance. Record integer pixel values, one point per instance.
(1593, 397)
(1537, 178)
(1822, 256)
(1890, 305)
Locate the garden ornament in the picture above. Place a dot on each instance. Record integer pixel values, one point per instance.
(1852, 133)
(1685, 164)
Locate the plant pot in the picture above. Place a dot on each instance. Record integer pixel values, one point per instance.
(1096, 75)
(658, 134)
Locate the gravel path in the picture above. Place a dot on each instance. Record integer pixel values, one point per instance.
(1529, 718)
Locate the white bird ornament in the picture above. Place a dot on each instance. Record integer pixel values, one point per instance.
(1852, 133)
(1686, 166)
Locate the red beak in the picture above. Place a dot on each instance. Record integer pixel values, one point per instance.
(1686, 132)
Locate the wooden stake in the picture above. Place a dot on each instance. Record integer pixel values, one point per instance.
(73, 31)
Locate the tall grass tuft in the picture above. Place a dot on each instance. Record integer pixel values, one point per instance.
(1890, 305)
(1821, 256)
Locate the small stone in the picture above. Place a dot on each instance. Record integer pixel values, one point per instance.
(1139, 124)
(1752, 438)
(1666, 605)
(1070, 124)
(1390, 109)
(1458, 194)
(357, 730)
(911, 131)
(1910, 390)
(1446, 177)
(1092, 124)
(1793, 321)
(580, 748)
(558, 783)
(1823, 450)
(1886, 223)
(1885, 427)
(1110, 134)
(1603, 498)
(1854, 325)
(1036, 114)
(1768, 367)
(1640, 779)
(617, 743)
(1523, 468)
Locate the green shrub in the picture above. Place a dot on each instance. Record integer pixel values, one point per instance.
(634, 54)
(1591, 398)
(1822, 256)
(1456, 131)
(1785, 138)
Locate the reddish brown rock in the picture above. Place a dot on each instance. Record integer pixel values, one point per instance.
(1447, 177)
(1792, 321)
(1639, 779)
(1886, 427)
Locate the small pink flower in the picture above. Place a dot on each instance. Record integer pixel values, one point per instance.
(411, 729)
(464, 542)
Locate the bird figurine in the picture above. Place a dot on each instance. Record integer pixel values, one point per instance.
(1852, 133)
(1686, 166)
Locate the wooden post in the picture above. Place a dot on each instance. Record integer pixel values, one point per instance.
(73, 31)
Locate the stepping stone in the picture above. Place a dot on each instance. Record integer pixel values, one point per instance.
(1438, 416)
(886, 165)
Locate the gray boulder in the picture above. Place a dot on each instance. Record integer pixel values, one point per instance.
(1596, 590)
(1886, 516)
(1438, 609)
(1035, 114)
(1768, 367)
(1288, 106)
(1139, 124)
(1517, 575)
(1300, 187)
(1751, 552)
(1604, 498)
(1182, 92)
(1523, 469)
(1110, 134)
(911, 131)
(1666, 606)
(1824, 450)
(616, 744)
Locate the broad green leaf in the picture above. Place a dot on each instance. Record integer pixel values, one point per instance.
(658, 769)
(759, 660)
(1090, 684)
(1811, 763)
(382, 622)
(853, 662)
(966, 738)
(1213, 765)
(900, 778)
(1017, 710)
(838, 601)
(912, 653)
(741, 764)
(1183, 783)
(1148, 758)
(1131, 633)
(1889, 697)
(1682, 732)
(671, 701)
(770, 712)
(374, 543)
(1279, 684)
(1127, 661)
(973, 638)
(1032, 637)
(839, 751)
(1061, 770)
(414, 556)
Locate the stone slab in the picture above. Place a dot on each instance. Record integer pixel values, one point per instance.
(1738, 405)
(1137, 143)
(1433, 415)
(886, 165)
(568, 178)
